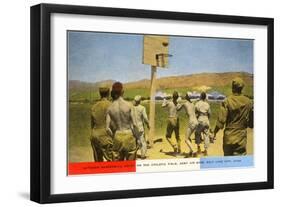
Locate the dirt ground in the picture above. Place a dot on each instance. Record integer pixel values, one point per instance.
(162, 149)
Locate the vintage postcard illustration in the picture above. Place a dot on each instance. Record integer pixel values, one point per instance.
(156, 103)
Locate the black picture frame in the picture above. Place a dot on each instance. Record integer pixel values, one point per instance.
(41, 96)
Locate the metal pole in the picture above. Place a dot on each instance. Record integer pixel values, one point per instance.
(152, 106)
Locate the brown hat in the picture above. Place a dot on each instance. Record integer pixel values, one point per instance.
(104, 90)
(237, 83)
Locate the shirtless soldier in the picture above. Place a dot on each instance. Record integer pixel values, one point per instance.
(192, 123)
(120, 113)
(173, 122)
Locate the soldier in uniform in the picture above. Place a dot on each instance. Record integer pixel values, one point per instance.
(235, 116)
(140, 119)
(173, 122)
(120, 113)
(100, 141)
(203, 112)
(192, 124)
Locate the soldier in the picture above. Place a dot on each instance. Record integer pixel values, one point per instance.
(190, 112)
(140, 118)
(120, 113)
(173, 122)
(236, 115)
(100, 141)
(203, 112)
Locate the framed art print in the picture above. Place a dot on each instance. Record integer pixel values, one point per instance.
(132, 103)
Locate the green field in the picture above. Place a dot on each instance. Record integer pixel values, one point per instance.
(79, 124)
(79, 116)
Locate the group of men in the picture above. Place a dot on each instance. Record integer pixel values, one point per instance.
(118, 127)
(198, 114)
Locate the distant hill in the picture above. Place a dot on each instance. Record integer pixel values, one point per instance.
(86, 86)
(195, 80)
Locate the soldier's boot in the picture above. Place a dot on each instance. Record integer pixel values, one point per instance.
(179, 146)
(190, 154)
(175, 153)
(143, 157)
(198, 149)
(212, 136)
(194, 154)
(205, 152)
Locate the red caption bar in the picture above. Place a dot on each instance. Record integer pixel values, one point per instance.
(78, 168)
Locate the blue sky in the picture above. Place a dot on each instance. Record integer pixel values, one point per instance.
(95, 56)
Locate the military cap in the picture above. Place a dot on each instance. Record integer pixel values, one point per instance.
(137, 98)
(103, 89)
(237, 83)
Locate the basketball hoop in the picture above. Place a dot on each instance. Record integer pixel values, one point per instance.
(155, 54)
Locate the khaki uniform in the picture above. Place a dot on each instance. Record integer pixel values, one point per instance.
(140, 118)
(236, 114)
(172, 124)
(124, 143)
(101, 142)
(203, 111)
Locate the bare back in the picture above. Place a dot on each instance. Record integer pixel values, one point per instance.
(190, 111)
(120, 114)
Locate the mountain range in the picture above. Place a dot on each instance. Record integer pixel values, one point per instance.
(194, 80)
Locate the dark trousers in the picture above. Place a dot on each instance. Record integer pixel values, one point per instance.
(234, 150)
